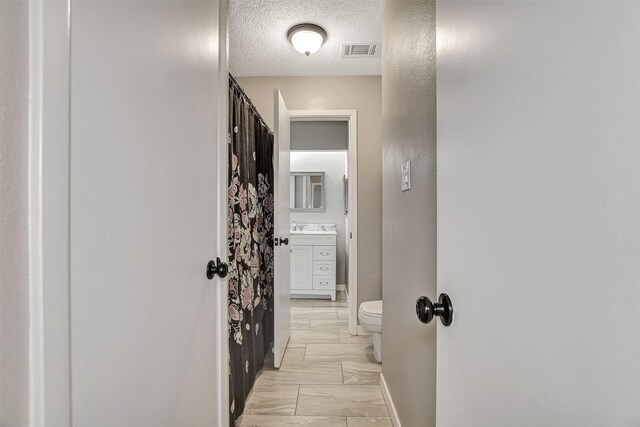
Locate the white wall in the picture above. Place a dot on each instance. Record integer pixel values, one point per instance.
(334, 165)
(14, 243)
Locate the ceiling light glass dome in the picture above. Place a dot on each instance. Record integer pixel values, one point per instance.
(307, 38)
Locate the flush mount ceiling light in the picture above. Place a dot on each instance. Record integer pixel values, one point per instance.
(307, 38)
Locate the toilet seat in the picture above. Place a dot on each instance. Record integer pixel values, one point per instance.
(371, 313)
(372, 308)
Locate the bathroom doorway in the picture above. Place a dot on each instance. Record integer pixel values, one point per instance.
(346, 236)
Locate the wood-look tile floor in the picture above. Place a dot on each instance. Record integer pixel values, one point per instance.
(328, 377)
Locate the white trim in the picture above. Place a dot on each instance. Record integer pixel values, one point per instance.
(353, 222)
(350, 116)
(312, 294)
(36, 284)
(393, 414)
(346, 291)
(222, 340)
(322, 115)
(49, 98)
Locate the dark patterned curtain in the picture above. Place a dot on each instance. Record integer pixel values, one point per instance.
(250, 231)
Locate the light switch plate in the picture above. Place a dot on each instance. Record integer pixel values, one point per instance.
(405, 173)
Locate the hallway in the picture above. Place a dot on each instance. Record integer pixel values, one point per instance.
(328, 377)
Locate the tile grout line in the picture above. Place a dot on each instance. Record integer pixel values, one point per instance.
(295, 412)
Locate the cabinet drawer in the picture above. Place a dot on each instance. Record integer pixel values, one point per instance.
(324, 282)
(324, 268)
(324, 253)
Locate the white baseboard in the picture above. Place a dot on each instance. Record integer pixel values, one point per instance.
(341, 288)
(353, 314)
(387, 399)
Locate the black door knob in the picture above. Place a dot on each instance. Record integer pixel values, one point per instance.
(426, 310)
(217, 267)
(282, 241)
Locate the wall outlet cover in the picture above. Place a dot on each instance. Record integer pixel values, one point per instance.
(405, 173)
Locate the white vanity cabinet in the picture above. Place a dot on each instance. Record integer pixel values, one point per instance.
(313, 265)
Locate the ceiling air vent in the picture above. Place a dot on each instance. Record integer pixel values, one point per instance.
(360, 50)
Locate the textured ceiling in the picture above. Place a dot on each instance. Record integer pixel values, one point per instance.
(258, 44)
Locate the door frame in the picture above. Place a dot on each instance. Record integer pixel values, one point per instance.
(222, 203)
(351, 117)
(49, 213)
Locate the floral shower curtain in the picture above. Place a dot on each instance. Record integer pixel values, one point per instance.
(250, 246)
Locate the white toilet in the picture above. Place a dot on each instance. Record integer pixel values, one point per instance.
(370, 315)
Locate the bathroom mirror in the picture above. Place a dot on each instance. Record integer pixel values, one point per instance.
(307, 192)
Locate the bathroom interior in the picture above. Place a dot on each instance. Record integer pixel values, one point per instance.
(319, 210)
(329, 361)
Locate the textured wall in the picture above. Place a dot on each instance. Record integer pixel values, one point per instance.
(14, 257)
(409, 227)
(362, 93)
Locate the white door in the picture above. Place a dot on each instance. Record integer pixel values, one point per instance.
(281, 186)
(144, 187)
(539, 213)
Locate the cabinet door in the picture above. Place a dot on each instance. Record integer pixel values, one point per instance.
(301, 267)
